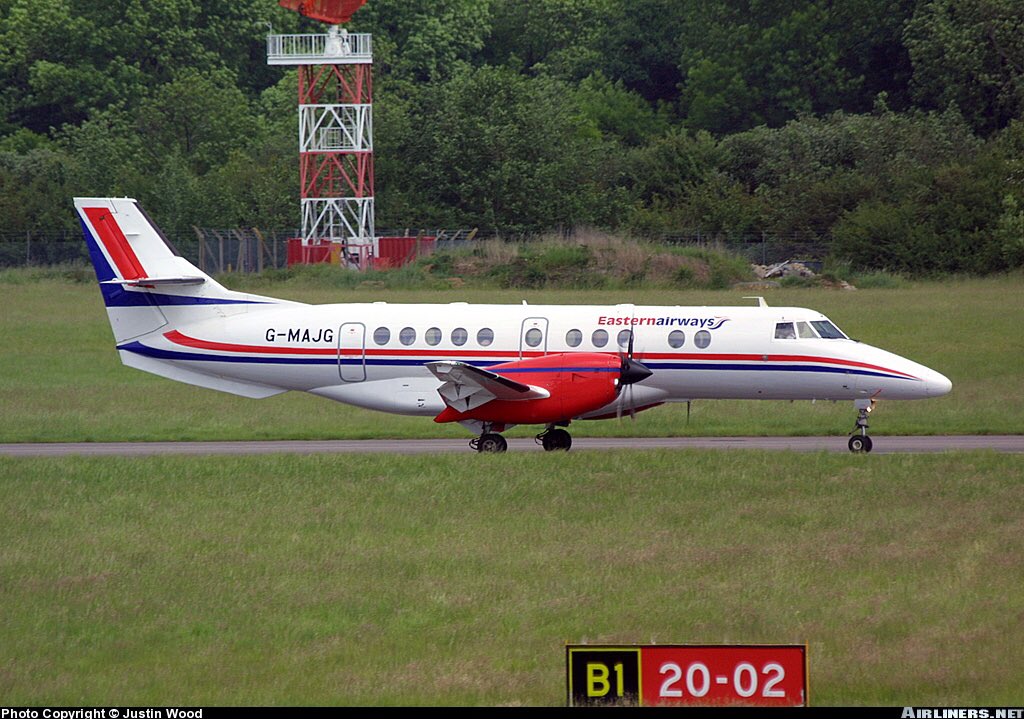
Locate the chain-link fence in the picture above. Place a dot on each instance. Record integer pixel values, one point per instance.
(252, 250)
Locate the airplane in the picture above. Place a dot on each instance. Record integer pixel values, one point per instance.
(487, 367)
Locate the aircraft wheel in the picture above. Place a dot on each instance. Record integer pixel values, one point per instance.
(860, 443)
(491, 442)
(556, 439)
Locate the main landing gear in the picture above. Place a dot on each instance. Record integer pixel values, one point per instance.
(860, 442)
(490, 442)
(554, 438)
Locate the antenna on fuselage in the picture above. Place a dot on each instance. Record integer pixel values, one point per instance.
(760, 301)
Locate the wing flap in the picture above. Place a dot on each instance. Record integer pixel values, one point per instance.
(467, 387)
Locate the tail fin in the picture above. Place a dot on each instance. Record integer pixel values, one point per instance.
(146, 284)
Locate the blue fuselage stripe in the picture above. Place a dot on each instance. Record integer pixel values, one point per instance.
(139, 348)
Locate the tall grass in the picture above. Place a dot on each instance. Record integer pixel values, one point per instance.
(458, 579)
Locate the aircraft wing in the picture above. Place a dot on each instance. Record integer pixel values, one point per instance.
(467, 387)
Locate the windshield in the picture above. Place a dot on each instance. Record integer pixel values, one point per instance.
(828, 331)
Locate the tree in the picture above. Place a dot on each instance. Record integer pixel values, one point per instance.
(32, 186)
(617, 112)
(562, 38)
(424, 40)
(745, 63)
(200, 116)
(61, 60)
(970, 53)
(641, 46)
(504, 152)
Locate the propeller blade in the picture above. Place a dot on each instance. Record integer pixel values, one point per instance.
(631, 371)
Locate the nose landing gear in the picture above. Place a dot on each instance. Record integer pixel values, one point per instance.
(860, 442)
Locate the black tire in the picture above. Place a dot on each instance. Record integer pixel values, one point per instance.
(860, 443)
(493, 443)
(556, 439)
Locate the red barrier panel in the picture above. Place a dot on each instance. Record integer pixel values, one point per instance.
(398, 251)
(299, 254)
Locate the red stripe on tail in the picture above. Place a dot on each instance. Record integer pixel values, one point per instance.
(115, 242)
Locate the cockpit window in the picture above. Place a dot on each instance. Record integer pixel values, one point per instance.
(804, 331)
(785, 331)
(828, 331)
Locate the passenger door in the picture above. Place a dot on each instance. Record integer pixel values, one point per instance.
(352, 352)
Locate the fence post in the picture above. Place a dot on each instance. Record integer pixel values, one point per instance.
(202, 248)
(261, 247)
(28, 247)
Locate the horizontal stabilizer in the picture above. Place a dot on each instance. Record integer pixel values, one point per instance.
(156, 281)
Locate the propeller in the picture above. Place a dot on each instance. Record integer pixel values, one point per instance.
(631, 371)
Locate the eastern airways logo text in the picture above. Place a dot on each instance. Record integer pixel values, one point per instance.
(707, 323)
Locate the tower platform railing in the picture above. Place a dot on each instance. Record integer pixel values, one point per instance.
(331, 49)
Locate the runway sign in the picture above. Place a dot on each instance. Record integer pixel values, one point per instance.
(686, 674)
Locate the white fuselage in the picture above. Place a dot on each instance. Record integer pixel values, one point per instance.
(373, 355)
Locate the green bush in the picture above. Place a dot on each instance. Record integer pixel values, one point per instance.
(723, 268)
(549, 265)
(879, 280)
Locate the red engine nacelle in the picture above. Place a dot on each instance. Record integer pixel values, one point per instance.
(329, 11)
(578, 383)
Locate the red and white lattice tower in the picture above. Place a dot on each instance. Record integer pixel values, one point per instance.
(335, 128)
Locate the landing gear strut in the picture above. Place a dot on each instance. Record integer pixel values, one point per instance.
(554, 438)
(860, 442)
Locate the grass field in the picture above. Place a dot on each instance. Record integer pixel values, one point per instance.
(61, 380)
(458, 579)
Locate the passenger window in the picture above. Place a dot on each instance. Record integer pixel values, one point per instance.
(432, 336)
(459, 336)
(623, 338)
(805, 332)
(784, 331)
(485, 336)
(599, 338)
(573, 338)
(382, 335)
(534, 337)
(407, 336)
(676, 339)
(702, 339)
